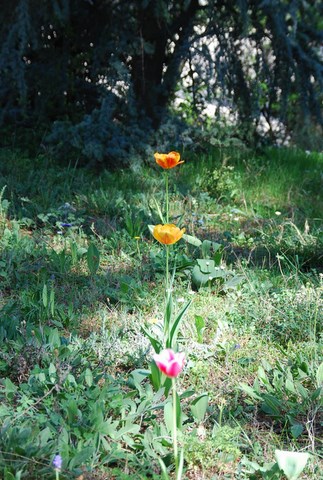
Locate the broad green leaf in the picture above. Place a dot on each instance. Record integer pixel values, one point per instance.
(233, 282)
(289, 385)
(88, 377)
(297, 430)
(209, 247)
(128, 428)
(137, 376)
(44, 436)
(271, 405)
(200, 326)
(187, 394)
(291, 463)
(155, 376)
(317, 394)
(82, 457)
(54, 338)
(304, 393)
(250, 391)
(93, 258)
(199, 406)
(51, 369)
(168, 415)
(319, 376)
(192, 240)
(10, 388)
(263, 377)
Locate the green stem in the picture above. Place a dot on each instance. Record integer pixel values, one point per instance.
(175, 428)
(57, 474)
(167, 197)
(167, 273)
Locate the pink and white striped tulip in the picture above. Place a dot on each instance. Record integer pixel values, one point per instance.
(169, 362)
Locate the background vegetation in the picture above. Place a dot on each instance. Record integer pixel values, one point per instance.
(97, 80)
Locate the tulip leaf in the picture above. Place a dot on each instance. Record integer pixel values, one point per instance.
(168, 415)
(291, 463)
(155, 376)
(171, 340)
(163, 469)
(180, 463)
(168, 313)
(179, 417)
(161, 216)
(157, 346)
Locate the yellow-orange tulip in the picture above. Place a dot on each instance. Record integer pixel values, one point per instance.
(168, 234)
(168, 160)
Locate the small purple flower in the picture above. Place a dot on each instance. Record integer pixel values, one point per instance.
(57, 462)
(66, 225)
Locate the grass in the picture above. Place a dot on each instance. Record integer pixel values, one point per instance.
(74, 357)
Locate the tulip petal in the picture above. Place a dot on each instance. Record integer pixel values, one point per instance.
(169, 362)
(168, 160)
(167, 234)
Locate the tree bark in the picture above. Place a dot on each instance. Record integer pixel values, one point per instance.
(155, 69)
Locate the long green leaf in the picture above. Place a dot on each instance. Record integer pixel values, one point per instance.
(156, 344)
(170, 343)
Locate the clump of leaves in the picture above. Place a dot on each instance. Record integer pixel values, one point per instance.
(206, 452)
(291, 395)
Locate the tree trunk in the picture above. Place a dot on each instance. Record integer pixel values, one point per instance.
(155, 70)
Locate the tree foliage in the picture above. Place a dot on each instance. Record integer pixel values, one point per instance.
(103, 73)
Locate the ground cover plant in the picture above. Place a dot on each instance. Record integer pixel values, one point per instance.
(89, 296)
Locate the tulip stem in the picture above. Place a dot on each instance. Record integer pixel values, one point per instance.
(167, 197)
(167, 273)
(175, 429)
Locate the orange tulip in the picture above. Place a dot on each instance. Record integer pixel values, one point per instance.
(168, 160)
(168, 234)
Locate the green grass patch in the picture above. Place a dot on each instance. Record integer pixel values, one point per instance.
(81, 278)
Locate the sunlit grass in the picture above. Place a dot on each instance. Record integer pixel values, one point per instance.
(266, 211)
